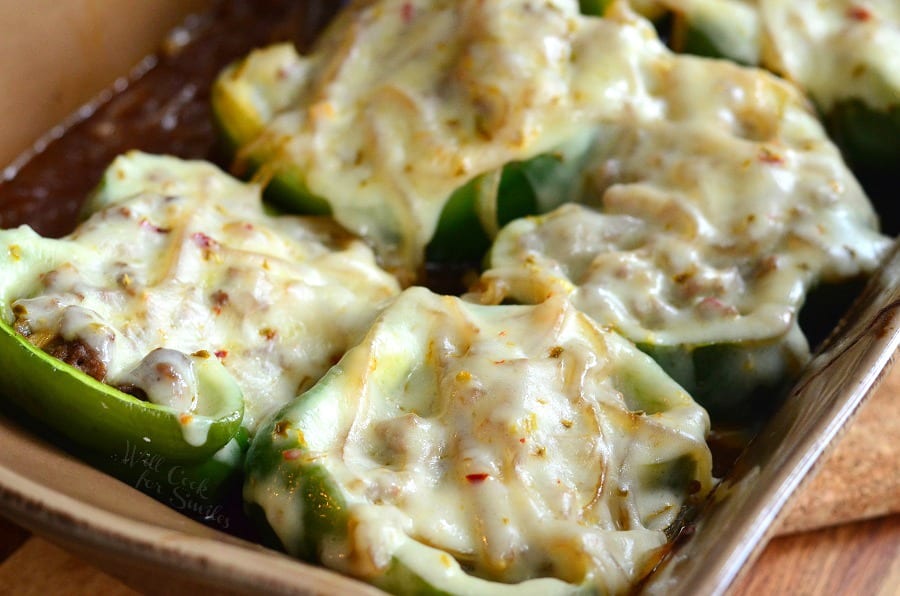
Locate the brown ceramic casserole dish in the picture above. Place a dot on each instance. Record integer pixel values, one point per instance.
(157, 549)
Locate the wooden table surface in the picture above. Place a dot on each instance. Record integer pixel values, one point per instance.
(842, 531)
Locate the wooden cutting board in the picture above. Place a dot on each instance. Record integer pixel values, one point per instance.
(859, 476)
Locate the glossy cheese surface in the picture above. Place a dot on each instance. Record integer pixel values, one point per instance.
(838, 49)
(523, 441)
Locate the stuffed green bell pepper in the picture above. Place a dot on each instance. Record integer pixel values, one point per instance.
(842, 53)
(251, 92)
(405, 115)
(470, 449)
(701, 234)
(177, 315)
(54, 365)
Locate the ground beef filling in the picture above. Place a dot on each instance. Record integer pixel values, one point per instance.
(73, 352)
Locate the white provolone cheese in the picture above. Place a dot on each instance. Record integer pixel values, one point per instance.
(712, 222)
(403, 102)
(835, 49)
(522, 440)
(180, 256)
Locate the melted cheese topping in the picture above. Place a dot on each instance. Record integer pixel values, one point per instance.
(182, 257)
(403, 102)
(524, 441)
(715, 220)
(836, 50)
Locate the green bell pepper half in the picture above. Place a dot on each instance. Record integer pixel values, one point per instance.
(82, 408)
(296, 489)
(414, 569)
(250, 92)
(243, 99)
(323, 513)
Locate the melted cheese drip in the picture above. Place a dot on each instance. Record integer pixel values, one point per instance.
(185, 259)
(524, 441)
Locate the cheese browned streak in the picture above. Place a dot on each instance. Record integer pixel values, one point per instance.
(720, 202)
(402, 103)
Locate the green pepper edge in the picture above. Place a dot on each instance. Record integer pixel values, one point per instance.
(869, 138)
(721, 378)
(593, 8)
(698, 42)
(458, 218)
(33, 383)
(326, 519)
